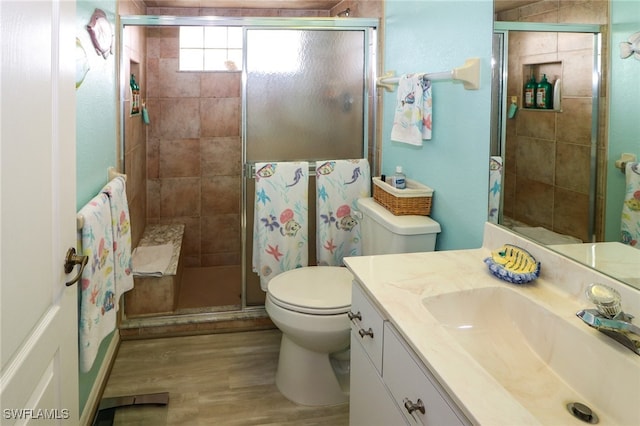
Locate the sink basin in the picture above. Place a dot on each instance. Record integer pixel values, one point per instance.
(544, 360)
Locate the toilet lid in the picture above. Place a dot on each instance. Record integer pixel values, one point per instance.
(321, 290)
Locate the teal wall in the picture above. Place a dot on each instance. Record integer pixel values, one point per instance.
(624, 109)
(433, 36)
(96, 136)
(96, 101)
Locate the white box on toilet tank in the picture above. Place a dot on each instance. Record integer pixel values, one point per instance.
(385, 233)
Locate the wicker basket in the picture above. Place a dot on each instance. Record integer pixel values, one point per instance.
(414, 200)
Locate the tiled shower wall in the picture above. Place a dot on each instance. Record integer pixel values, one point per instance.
(548, 153)
(194, 153)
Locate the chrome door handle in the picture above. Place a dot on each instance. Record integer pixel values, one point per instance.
(71, 261)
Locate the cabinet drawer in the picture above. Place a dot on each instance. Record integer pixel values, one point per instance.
(366, 325)
(408, 382)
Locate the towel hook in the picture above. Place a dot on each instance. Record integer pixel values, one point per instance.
(71, 260)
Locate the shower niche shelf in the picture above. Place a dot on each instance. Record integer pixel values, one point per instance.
(553, 71)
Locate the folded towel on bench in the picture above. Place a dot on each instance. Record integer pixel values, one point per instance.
(152, 261)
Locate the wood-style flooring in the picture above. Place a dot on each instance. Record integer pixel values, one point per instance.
(216, 379)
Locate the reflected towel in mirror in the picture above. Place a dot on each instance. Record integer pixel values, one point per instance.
(630, 224)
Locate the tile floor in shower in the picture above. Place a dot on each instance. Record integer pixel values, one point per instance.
(206, 287)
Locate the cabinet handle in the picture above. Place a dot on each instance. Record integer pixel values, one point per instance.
(411, 406)
(353, 316)
(368, 332)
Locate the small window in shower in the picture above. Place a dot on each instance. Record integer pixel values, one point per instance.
(217, 48)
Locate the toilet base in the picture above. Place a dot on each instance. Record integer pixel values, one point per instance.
(307, 377)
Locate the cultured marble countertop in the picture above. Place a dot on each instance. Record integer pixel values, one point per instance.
(398, 283)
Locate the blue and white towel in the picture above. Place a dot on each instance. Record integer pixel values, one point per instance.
(121, 224)
(339, 184)
(281, 224)
(495, 187)
(97, 299)
(412, 122)
(630, 227)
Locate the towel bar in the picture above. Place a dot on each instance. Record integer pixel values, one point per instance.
(469, 74)
(112, 173)
(624, 159)
(250, 169)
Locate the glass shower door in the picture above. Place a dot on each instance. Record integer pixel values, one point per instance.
(305, 99)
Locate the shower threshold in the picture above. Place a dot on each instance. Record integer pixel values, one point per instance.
(188, 324)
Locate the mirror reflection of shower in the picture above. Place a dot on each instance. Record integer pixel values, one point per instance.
(549, 177)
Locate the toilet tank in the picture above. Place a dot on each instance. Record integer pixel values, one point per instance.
(385, 233)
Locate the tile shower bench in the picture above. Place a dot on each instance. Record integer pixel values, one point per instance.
(158, 295)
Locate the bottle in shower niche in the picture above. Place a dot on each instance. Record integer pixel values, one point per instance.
(399, 180)
(530, 93)
(544, 94)
(135, 95)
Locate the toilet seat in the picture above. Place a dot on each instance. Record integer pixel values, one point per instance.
(316, 290)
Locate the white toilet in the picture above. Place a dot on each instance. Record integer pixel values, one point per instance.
(310, 305)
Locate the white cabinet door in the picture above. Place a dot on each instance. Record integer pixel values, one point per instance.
(370, 403)
(38, 313)
(410, 383)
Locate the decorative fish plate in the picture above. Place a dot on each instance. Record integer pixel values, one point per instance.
(513, 264)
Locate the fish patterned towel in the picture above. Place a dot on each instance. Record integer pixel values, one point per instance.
(412, 121)
(97, 299)
(495, 186)
(117, 192)
(339, 184)
(281, 225)
(630, 227)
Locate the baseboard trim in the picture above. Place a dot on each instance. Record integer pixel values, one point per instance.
(93, 402)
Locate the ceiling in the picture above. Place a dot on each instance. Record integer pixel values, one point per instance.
(500, 5)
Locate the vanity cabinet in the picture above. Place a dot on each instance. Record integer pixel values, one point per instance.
(389, 385)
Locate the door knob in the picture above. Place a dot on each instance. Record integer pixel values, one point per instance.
(71, 261)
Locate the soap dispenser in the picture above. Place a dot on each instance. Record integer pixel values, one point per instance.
(399, 179)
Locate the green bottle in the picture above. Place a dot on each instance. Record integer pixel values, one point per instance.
(135, 95)
(530, 93)
(544, 94)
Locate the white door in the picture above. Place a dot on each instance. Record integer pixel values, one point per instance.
(38, 316)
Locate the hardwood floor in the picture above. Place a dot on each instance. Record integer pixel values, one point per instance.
(216, 379)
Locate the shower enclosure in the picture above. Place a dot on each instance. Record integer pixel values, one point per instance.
(305, 91)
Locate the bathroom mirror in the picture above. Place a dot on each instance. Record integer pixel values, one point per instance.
(591, 236)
